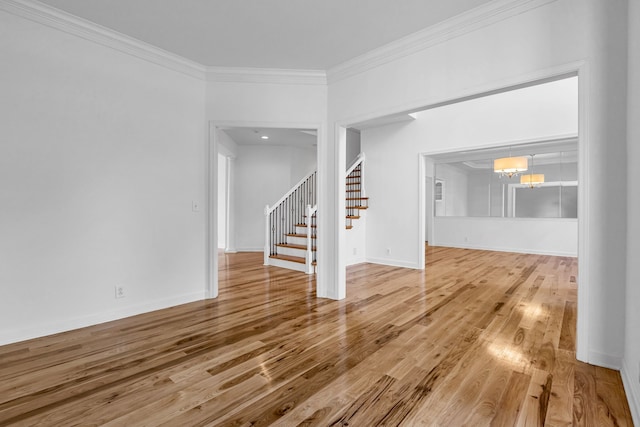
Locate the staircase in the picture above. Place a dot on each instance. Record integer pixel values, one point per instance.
(291, 224)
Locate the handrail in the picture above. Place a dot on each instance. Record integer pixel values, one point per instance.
(356, 196)
(298, 207)
(282, 218)
(288, 193)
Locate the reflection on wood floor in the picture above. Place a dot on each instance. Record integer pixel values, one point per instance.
(478, 338)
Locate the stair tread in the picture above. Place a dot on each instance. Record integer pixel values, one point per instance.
(297, 259)
(294, 246)
(305, 225)
(353, 216)
(299, 235)
(349, 227)
(357, 198)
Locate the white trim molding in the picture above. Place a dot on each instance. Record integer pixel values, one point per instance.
(632, 390)
(394, 263)
(14, 335)
(265, 75)
(456, 26)
(71, 24)
(85, 29)
(463, 23)
(211, 190)
(608, 361)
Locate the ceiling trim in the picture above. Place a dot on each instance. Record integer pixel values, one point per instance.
(456, 26)
(71, 24)
(265, 75)
(466, 22)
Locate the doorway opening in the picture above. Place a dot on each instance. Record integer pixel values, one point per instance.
(453, 134)
(250, 166)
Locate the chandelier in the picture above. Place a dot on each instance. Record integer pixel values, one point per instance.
(510, 166)
(532, 179)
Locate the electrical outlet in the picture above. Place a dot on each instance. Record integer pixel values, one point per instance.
(195, 206)
(119, 291)
(388, 251)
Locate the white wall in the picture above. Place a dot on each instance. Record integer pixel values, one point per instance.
(263, 174)
(547, 236)
(631, 361)
(353, 145)
(267, 104)
(100, 160)
(356, 241)
(393, 156)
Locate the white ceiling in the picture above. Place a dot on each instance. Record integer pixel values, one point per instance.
(286, 34)
(291, 137)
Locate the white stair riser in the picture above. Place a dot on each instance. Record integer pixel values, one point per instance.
(303, 230)
(287, 264)
(299, 240)
(291, 251)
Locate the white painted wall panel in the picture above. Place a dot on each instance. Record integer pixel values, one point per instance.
(527, 235)
(100, 160)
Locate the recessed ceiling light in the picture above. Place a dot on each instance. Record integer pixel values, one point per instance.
(264, 137)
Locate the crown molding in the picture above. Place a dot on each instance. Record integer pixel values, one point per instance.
(466, 22)
(265, 75)
(459, 25)
(63, 21)
(71, 24)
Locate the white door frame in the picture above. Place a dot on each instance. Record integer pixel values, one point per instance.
(579, 68)
(211, 189)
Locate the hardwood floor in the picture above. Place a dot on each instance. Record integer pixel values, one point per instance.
(478, 338)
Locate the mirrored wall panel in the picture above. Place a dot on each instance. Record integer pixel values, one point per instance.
(522, 181)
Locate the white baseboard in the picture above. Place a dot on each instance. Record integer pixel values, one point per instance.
(499, 249)
(632, 389)
(605, 360)
(17, 335)
(395, 263)
(354, 261)
(250, 249)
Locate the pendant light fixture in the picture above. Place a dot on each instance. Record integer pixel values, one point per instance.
(533, 179)
(510, 166)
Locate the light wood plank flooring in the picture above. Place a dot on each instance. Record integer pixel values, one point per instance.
(478, 338)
